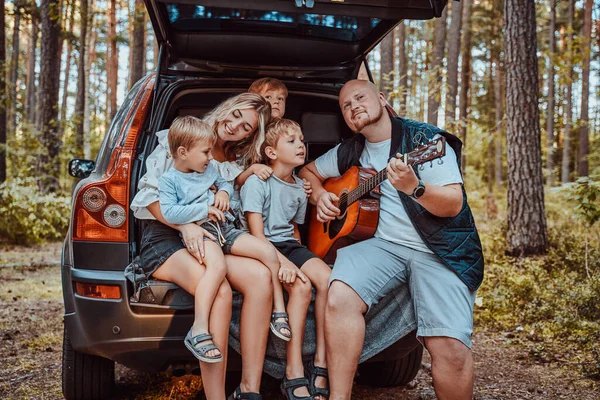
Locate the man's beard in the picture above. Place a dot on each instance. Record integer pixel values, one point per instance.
(361, 123)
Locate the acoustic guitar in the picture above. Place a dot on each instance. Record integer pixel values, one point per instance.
(358, 191)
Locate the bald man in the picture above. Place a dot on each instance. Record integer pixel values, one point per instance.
(425, 238)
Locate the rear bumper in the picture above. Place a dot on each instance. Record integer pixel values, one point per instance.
(111, 329)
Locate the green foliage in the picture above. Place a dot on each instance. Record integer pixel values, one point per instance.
(550, 304)
(30, 218)
(586, 194)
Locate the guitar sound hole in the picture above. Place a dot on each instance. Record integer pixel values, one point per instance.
(343, 206)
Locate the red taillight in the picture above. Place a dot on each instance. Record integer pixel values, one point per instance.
(98, 291)
(101, 208)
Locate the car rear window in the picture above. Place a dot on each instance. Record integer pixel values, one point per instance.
(195, 18)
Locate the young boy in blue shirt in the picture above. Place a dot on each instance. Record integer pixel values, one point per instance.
(273, 209)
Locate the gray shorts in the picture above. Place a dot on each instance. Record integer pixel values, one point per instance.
(225, 232)
(375, 268)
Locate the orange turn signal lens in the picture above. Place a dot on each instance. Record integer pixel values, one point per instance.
(98, 291)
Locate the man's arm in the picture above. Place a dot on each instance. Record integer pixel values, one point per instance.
(441, 201)
(324, 201)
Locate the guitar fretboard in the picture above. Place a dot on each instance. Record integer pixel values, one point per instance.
(365, 187)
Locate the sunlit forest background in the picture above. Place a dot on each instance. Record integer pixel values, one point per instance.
(450, 72)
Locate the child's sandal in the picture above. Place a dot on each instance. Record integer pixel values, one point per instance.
(239, 395)
(278, 326)
(288, 386)
(316, 391)
(200, 352)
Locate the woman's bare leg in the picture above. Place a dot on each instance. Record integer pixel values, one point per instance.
(253, 280)
(318, 272)
(184, 270)
(298, 302)
(252, 247)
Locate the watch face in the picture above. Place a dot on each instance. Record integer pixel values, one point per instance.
(419, 191)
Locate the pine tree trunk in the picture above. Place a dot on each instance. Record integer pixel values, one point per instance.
(386, 79)
(435, 72)
(112, 61)
(30, 108)
(90, 56)
(499, 119)
(453, 53)
(138, 43)
(14, 70)
(465, 79)
(49, 162)
(566, 159)
(550, 156)
(526, 233)
(584, 146)
(81, 87)
(3, 116)
(65, 92)
(402, 69)
(491, 121)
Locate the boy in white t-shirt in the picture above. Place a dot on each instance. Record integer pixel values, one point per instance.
(273, 209)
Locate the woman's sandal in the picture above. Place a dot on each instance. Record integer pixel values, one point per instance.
(277, 326)
(288, 386)
(200, 352)
(239, 395)
(314, 374)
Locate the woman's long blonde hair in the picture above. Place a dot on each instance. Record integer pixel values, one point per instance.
(247, 149)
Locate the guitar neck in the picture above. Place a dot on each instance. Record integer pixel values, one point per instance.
(366, 186)
(427, 152)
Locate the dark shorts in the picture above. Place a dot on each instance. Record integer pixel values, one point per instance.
(295, 252)
(228, 233)
(159, 242)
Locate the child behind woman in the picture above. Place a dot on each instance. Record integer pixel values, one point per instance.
(185, 196)
(273, 209)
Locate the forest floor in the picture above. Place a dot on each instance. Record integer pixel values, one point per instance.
(31, 326)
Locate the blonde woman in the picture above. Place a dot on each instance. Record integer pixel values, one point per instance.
(239, 124)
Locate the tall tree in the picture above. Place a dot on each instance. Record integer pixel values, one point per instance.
(566, 159)
(81, 87)
(48, 164)
(435, 81)
(90, 58)
(386, 78)
(550, 121)
(138, 45)
(402, 68)
(68, 34)
(14, 67)
(526, 233)
(584, 145)
(3, 116)
(112, 68)
(453, 53)
(465, 78)
(30, 109)
(498, 104)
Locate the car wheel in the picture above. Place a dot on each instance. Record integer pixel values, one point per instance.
(391, 373)
(85, 376)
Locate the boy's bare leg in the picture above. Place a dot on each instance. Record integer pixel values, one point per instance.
(345, 336)
(250, 246)
(318, 272)
(184, 270)
(299, 300)
(253, 280)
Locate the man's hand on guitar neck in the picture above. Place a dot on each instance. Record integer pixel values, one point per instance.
(326, 207)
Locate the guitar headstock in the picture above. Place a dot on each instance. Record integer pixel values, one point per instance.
(426, 152)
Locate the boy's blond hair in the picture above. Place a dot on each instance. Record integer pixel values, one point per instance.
(263, 84)
(277, 129)
(187, 131)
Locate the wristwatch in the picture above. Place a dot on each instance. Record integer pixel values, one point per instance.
(419, 190)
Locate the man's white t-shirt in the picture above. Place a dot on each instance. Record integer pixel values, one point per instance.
(394, 224)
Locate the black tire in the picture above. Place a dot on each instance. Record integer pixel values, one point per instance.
(391, 373)
(85, 377)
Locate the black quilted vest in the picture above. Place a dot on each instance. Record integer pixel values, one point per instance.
(453, 239)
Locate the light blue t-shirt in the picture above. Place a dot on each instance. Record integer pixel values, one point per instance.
(185, 197)
(394, 223)
(279, 202)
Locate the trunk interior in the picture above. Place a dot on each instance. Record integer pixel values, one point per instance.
(315, 107)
